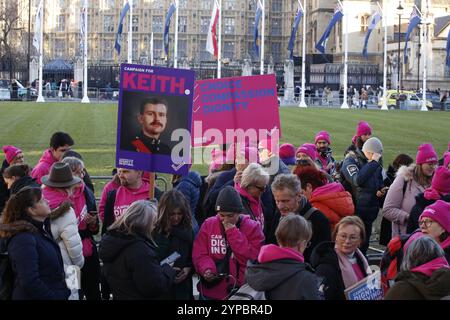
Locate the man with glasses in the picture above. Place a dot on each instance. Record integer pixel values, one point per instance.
(60, 142)
(289, 199)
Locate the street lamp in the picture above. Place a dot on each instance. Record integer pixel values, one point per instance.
(399, 12)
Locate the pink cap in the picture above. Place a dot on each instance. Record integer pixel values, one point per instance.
(426, 154)
(287, 153)
(323, 135)
(309, 149)
(446, 159)
(250, 154)
(11, 152)
(441, 180)
(439, 212)
(363, 129)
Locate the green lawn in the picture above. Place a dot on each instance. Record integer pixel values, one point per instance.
(29, 125)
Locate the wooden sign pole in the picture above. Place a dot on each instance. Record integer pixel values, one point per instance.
(151, 191)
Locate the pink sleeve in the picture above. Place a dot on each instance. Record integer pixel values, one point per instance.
(101, 205)
(37, 173)
(200, 254)
(246, 242)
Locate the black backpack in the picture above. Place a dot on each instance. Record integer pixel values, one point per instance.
(6, 273)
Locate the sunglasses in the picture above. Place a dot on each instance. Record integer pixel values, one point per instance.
(262, 189)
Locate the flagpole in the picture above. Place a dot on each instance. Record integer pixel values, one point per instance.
(262, 36)
(151, 49)
(175, 47)
(85, 84)
(302, 101)
(130, 34)
(384, 103)
(219, 45)
(425, 64)
(40, 97)
(345, 30)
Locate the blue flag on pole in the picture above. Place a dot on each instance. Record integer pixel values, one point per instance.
(447, 59)
(259, 11)
(414, 21)
(376, 17)
(123, 13)
(170, 12)
(298, 17)
(322, 43)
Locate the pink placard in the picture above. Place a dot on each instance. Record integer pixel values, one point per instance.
(234, 103)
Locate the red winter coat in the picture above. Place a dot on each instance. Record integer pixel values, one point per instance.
(333, 201)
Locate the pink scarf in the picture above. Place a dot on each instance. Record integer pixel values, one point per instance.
(445, 243)
(255, 204)
(348, 273)
(431, 266)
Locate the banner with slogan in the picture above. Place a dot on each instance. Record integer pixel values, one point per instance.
(239, 103)
(154, 119)
(368, 288)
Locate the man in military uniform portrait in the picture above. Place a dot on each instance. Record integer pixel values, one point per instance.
(153, 119)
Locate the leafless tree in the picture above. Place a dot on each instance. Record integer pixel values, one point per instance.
(10, 34)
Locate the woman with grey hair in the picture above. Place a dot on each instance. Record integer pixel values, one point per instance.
(130, 259)
(425, 273)
(252, 185)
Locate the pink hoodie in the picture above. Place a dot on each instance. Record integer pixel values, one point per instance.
(273, 252)
(431, 266)
(209, 247)
(111, 185)
(43, 166)
(125, 197)
(56, 196)
(255, 204)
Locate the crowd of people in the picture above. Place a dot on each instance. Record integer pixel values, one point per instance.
(301, 233)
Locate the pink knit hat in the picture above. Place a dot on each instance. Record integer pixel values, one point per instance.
(250, 154)
(287, 153)
(426, 154)
(363, 129)
(441, 180)
(439, 212)
(11, 152)
(446, 159)
(323, 135)
(308, 149)
(217, 159)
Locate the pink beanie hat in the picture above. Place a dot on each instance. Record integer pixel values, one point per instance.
(441, 180)
(323, 135)
(308, 149)
(426, 154)
(287, 153)
(250, 154)
(363, 129)
(446, 159)
(217, 159)
(11, 152)
(439, 212)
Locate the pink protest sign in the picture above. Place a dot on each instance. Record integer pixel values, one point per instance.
(234, 103)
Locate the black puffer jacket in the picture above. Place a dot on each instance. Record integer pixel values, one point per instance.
(132, 269)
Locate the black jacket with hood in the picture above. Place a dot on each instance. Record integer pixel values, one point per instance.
(132, 268)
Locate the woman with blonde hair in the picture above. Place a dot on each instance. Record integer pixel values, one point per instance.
(130, 259)
(341, 263)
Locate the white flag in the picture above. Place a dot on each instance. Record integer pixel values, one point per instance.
(37, 27)
(211, 39)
